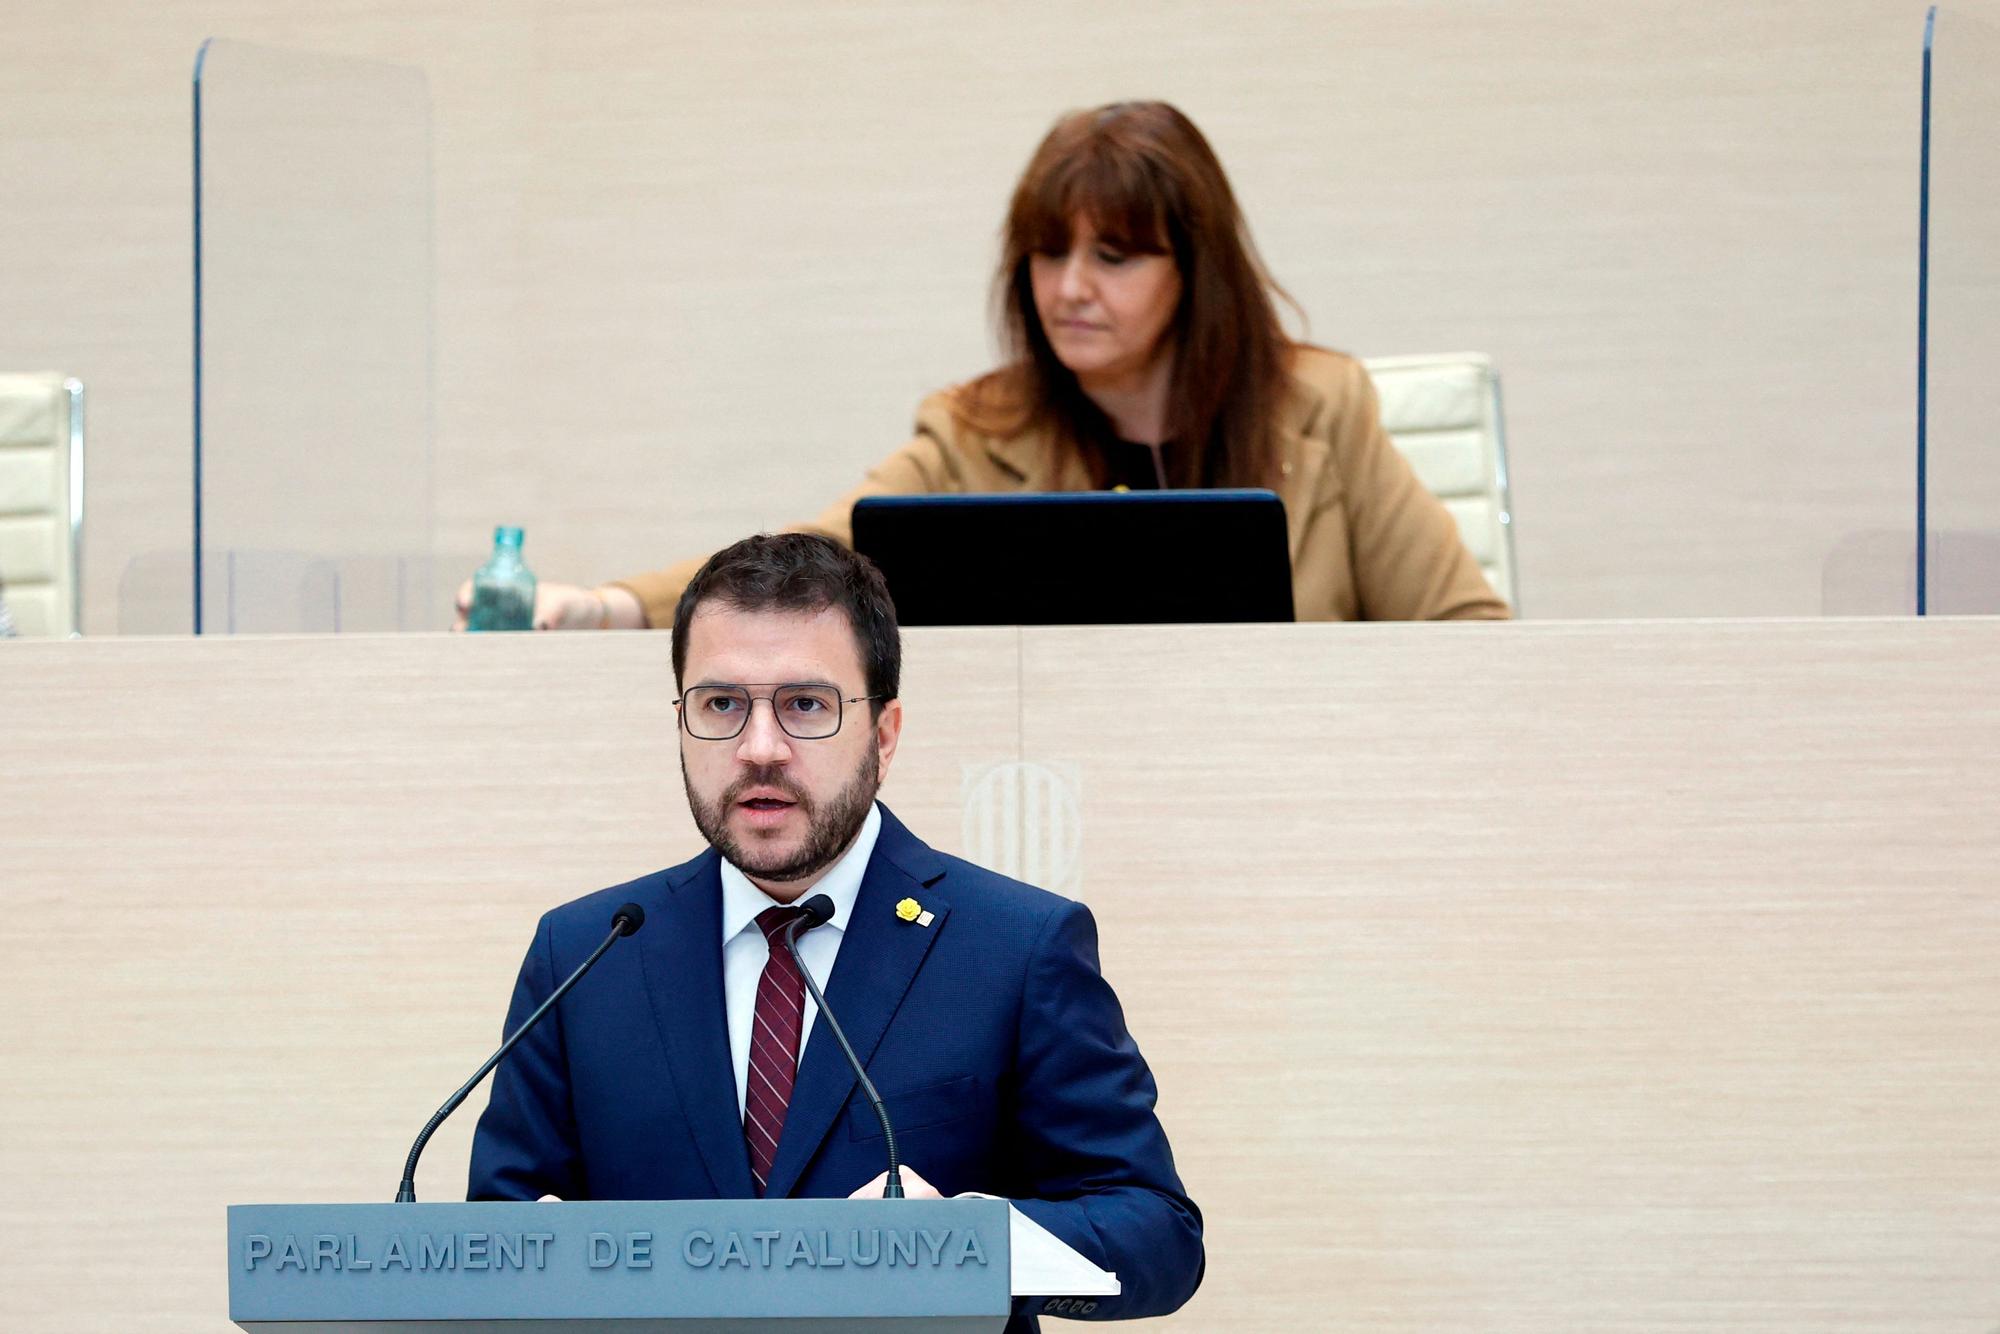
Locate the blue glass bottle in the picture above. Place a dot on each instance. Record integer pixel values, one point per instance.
(503, 591)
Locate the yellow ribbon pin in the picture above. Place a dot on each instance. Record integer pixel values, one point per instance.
(908, 909)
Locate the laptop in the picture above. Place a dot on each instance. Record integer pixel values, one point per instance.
(1081, 557)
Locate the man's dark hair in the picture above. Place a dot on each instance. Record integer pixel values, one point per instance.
(801, 572)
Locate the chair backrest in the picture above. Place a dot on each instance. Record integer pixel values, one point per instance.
(41, 503)
(1443, 413)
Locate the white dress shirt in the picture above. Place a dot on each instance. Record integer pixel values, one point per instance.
(745, 951)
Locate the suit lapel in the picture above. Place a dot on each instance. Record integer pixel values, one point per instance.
(1299, 485)
(1031, 458)
(683, 967)
(879, 958)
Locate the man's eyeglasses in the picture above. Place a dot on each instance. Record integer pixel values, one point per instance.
(805, 712)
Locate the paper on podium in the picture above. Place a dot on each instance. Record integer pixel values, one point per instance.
(1043, 1264)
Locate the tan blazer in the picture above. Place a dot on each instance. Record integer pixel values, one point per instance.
(1368, 541)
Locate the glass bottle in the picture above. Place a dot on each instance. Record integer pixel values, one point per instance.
(503, 591)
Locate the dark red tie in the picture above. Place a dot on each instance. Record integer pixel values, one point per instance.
(774, 1046)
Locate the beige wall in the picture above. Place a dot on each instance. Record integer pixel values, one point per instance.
(1535, 977)
(674, 239)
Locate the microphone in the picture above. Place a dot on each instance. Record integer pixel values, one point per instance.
(817, 910)
(626, 921)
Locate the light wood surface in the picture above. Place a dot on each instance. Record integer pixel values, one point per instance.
(673, 236)
(1608, 977)
(1599, 978)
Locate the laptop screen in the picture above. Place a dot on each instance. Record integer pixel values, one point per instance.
(1081, 557)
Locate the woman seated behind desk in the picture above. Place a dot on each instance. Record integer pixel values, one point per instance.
(1146, 352)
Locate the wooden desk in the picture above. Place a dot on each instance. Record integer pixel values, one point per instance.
(1539, 976)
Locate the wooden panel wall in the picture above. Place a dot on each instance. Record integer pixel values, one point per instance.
(1622, 977)
(673, 236)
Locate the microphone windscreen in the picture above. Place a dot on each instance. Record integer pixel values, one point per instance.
(630, 917)
(818, 910)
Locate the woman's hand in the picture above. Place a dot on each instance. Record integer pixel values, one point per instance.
(570, 607)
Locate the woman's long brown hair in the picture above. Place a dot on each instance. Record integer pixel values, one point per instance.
(1147, 182)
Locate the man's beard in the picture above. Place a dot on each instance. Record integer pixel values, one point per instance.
(829, 830)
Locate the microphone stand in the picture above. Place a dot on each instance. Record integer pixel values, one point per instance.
(627, 920)
(892, 1187)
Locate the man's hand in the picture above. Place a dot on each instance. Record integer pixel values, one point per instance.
(914, 1187)
(570, 607)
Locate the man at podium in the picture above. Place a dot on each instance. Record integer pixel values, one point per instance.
(692, 1064)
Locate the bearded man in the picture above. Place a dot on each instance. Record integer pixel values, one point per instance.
(689, 1064)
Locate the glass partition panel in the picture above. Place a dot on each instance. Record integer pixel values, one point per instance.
(313, 473)
(1694, 277)
(1871, 572)
(155, 593)
(1959, 317)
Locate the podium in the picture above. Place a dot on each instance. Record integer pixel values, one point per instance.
(621, 1267)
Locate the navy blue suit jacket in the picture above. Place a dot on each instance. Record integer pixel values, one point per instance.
(996, 1043)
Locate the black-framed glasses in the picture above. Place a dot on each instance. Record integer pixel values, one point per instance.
(805, 710)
